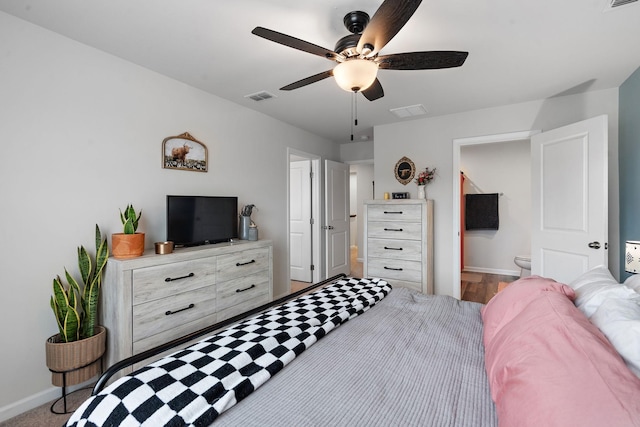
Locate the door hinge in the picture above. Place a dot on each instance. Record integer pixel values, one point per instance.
(312, 267)
(311, 221)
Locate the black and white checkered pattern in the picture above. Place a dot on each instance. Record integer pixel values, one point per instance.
(193, 386)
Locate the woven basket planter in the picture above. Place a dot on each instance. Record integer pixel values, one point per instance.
(79, 359)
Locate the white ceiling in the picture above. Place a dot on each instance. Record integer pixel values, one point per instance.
(518, 51)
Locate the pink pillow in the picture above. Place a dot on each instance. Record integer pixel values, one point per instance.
(549, 366)
(509, 302)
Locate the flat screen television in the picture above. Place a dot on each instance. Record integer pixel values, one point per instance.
(199, 220)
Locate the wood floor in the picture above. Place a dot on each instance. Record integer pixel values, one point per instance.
(481, 287)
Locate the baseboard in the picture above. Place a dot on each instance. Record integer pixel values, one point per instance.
(30, 402)
(492, 271)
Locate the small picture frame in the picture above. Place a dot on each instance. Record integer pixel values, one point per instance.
(404, 170)
(404, 195)
(184, 152)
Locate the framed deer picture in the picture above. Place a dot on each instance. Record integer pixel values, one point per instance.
(184, 152)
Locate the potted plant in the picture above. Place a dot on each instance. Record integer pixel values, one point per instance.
(76, 350)
(128, 244)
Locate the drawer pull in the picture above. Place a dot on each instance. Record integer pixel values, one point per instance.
(240, 264)
(171, 279)
(393, 229)
(246, 289)
(394, 269)
(393, 212)
(392, 249)
(169, 312)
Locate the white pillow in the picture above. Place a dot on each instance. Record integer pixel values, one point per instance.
(619, 321)
(595, 286)
(633, 282)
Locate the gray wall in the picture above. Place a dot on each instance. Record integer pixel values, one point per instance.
(629, 162)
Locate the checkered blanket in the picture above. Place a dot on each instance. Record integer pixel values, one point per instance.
(193, 386)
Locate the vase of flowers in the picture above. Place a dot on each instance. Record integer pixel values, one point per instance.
(424, 177)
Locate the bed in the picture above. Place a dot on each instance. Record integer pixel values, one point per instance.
(360, 352)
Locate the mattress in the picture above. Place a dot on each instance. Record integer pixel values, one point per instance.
(412, 360)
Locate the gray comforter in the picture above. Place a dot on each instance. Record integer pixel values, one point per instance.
(413, 360)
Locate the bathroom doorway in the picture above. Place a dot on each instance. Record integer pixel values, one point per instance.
(492, 164)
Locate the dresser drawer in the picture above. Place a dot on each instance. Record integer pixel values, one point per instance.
(157, 316)
(161, 281)
(410, 250)
(391, 212)
(243, 263)
(242, 289)
(243, 307)
(394, 269)
(394, 230)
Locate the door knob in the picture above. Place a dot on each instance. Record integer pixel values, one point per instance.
(594, 245)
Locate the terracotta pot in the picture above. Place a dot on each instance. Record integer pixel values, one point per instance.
(125, 246)
(69, 356)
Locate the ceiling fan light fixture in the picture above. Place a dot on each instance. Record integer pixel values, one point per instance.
(355, 75)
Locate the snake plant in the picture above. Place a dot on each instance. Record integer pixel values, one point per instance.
(75, 309)
(130, 219)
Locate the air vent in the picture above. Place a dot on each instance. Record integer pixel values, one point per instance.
(612, 4)
(410, 111)
(260, 96)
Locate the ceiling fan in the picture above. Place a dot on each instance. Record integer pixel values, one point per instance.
(357, 54)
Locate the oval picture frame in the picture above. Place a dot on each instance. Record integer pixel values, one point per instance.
(184, 152)
(405, 170)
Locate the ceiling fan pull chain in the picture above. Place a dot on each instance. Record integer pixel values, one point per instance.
(353, 97)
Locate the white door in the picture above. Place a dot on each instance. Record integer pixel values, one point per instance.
(300, 220)
(336, 218)
(569, 199)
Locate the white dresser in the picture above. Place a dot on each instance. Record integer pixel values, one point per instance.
(398, 243)
(152, 299)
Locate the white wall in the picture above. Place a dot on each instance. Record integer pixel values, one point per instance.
(428, 142)
(503, 168)
(81, 136)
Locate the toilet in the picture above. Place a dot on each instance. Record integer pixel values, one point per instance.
(524, 262)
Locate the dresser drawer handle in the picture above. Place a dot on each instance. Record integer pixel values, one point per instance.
(240, 264)
(169, 312)
(393, 229)
(171, 279)
(393, 212)
(392, 249)
(246, 289)
(394, 269)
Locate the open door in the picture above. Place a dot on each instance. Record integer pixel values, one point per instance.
(570, 193)
(300, 221)
(336, 218)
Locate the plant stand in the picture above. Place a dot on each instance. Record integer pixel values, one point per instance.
(64, 385)
(74, 362)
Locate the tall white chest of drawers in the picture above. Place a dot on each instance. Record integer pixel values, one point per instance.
(153, 299)
(398, 242)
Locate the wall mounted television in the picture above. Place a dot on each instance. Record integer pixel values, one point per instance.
(199, 220)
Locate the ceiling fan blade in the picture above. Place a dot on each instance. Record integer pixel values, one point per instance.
(295, 43)
(308, 80)
(385, 24)
(430, 60)
(374, 91)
